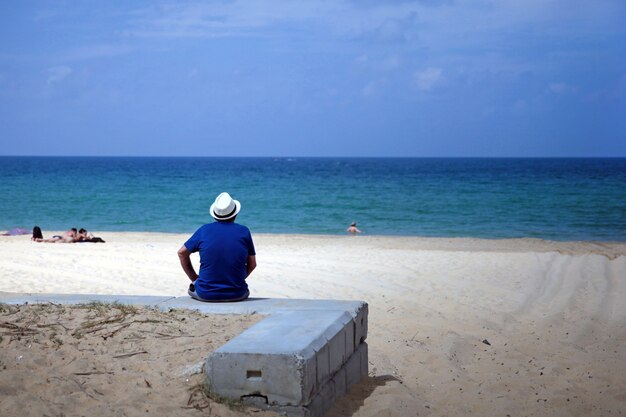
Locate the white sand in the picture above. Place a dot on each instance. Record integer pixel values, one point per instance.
(553, 313)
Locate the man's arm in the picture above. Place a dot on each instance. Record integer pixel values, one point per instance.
(185, 262)
(251, 264)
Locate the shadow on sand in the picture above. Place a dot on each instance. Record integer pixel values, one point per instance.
(356, 396)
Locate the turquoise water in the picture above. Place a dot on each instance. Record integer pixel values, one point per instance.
(559, 199)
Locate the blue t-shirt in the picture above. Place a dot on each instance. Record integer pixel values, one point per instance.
(224, 249)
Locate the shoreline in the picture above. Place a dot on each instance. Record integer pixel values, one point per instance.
(342, 234)
(610, 249)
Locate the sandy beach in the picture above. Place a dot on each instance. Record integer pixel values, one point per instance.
(101, 360)
(458, 327)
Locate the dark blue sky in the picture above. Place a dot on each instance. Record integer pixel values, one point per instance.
(313, 78)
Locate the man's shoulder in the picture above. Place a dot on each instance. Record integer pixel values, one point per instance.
(205, 227)
(226, 227)
(208, 228)
(240, 229)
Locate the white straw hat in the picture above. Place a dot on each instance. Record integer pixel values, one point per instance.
(224, 207)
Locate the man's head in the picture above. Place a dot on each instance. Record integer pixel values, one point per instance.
(225, 208)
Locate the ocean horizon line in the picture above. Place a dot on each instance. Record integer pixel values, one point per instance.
(311, 157)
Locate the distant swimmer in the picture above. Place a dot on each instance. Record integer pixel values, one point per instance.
(353, 229)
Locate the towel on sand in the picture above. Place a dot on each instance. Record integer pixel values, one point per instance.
(15, 232)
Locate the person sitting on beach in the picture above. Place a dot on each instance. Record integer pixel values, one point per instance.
(67, 237)
(227, 255)
(353, 229)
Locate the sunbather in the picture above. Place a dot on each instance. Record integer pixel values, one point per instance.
(67, 237)
(85, 236)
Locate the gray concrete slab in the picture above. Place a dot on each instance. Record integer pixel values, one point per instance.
(33, 298)
(266, 305)
(285, 357)
(289, 332)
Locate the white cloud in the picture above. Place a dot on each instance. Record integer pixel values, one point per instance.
(488, 111)
(96, 51)
(385, 22)
(400, 25)
(374, 88)
(58, 74)
(562, 88)
(519, 106)
(384, 64)
(42, 15)
(426, 79)
(390, 63)
(620, 89)
(369, 90)
(456, 21)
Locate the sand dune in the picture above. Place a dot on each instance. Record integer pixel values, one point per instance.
(457, 326)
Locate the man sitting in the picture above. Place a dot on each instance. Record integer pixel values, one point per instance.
(227, 255)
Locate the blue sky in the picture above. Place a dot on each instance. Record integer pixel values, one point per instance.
(313, 78)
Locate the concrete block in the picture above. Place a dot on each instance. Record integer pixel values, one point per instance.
(341, 386)
(350, 339)
(331, 391)
(337, 349)
(309, 378)
(323, 365)
(72, 299)
(279, 378)
(364, 359)
(285, 357)
(267, 306)
(360, 328)
(323, 400)
(354, 373)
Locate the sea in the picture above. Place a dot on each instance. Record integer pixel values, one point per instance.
(547, 198)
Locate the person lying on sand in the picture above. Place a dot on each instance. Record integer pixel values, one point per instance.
(67, 237)
(71, 236)
(85, 236)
